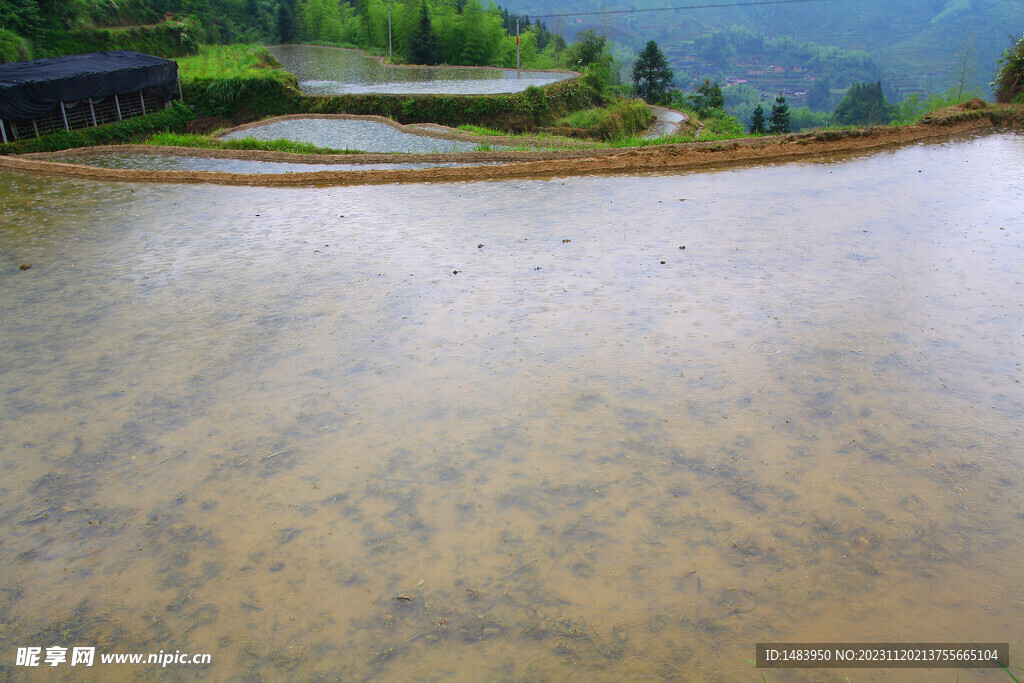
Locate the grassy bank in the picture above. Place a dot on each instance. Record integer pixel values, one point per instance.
(167, 139)
(243, 83)
(618, 119)
(230, 61)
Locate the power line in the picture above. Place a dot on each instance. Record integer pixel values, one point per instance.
(666, 9)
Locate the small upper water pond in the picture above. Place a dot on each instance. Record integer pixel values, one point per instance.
(336, 71)
(350, 134)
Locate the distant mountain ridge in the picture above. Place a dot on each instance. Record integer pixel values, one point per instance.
(915, 42)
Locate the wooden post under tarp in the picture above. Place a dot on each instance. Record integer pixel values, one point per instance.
(181, 95)
(143, 101)
(64, 115)
(117, 106)
(92, 110)
(3, 131)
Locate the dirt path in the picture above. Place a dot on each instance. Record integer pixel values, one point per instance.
(536, 164)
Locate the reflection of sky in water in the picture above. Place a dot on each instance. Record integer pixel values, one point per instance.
(352, 134)
(173, 162)
(275, 424)
(333, 71)
(666, 123)
(493, 86)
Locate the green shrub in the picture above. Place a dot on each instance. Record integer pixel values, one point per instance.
(13, 48)
(622, 119)
(1009, 83)
(176, 118)
(243, 98)
(225, 61)
(166, 39)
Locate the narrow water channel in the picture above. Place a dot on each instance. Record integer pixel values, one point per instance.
(594, 428)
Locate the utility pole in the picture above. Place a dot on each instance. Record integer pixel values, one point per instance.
(517, 42)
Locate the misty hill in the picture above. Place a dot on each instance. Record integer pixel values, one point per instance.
(914, 43)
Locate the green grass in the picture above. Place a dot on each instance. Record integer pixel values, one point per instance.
(228, 61)
(621, 118)
(205, 142)
(481, 130)
(913, 109)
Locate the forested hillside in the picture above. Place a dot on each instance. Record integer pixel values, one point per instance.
(917, 45)
(421, 31)
(810, 51)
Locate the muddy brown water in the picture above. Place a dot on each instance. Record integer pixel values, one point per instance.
(513, 430)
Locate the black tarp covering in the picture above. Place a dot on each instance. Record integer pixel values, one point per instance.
(31, 89)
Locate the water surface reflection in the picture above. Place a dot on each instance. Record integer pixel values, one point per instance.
(176, 162)
(350, 134)
(336, 71)
(515, 430)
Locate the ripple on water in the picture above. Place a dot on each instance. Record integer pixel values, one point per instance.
(174, 162)
(271, 424)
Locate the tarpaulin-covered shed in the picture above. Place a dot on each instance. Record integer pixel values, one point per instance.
(77, 91)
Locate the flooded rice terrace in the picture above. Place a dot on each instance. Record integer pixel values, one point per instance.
(515, 430)
(172, 162)
(350, 134)
(337, 71)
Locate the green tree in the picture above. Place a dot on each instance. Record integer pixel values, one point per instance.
(424, 47)
(1009, 83)
(707, 98)
(20, 16)
(589, 48)
(590, 54)
(778, 123)
(757, 121)
(286, 21)
(819, 96)
(965, 72)
(864, 104)
(802, 118)
(740, 101)
(652, 75)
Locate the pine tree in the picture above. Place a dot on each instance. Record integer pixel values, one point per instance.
(286, 22)
(424, 46)
(757, 122)
(864, 104)
(652, 75)
(779, 122)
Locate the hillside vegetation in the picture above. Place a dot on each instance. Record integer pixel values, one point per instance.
(913, 42)
(1009, 83)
